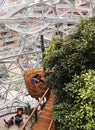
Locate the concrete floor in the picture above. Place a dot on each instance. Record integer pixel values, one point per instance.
(14, 127)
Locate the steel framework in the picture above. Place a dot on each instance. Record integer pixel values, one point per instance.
(22, 22)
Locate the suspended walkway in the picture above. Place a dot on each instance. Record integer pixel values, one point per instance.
(43, 120)
(45, 116)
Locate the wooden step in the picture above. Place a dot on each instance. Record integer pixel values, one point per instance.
(45, 116)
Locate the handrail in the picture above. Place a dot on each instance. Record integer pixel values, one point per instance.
(34, 110)
(51, 125)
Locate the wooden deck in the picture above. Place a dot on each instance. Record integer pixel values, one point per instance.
(45, 116)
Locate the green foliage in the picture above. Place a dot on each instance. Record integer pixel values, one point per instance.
(73, 54)
(78, 111)
(3, 71)
(51, 54)
(28, 109)
(66, 59)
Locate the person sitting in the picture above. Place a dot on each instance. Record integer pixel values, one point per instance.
(32, 80)
(9, 122)
(36, 79)
(18, 117)
(18, 120)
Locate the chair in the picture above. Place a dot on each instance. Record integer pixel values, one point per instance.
(10, 122)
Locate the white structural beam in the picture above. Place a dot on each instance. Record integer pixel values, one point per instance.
(40, 29)
(22, 6)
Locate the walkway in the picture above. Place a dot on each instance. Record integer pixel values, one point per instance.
(45, 116)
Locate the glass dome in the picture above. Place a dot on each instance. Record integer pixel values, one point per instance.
(22, 22)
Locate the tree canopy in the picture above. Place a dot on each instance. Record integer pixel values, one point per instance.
(73, 54)
(66, 59)
(76, 110)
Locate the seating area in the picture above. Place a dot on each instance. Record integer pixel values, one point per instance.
(16, 119)
(10, 122)
(35, 89)
(3, 126)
